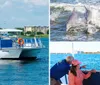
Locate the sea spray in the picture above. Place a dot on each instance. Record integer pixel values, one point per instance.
(81, 18)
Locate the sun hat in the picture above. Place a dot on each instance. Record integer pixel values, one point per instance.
(76, 62)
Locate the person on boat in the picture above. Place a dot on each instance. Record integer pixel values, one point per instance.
(59, 70)
(76, 76)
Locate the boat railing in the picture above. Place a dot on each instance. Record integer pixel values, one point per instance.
(13, 43)
(32, 42)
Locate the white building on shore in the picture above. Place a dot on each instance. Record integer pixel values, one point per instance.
(42, 29)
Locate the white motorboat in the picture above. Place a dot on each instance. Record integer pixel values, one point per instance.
(11, 46)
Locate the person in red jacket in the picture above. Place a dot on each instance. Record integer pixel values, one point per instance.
(76, 76)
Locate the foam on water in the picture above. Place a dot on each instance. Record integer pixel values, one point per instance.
(78, 7)
(89, 14)
(76, 1)
(4, 62)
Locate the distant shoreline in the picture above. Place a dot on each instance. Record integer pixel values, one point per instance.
(38, 36)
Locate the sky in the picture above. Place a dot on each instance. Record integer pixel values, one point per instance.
(66, 47)
(20, 13)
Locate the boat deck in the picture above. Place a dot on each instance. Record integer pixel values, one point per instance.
(31, 43)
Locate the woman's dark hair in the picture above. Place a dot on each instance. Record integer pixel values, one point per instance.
(73, 70)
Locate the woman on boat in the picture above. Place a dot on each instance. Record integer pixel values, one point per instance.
(76, 76)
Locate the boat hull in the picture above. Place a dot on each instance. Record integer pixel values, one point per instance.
(29, 53)
(10, 53)
(19, 54)
(93, 80)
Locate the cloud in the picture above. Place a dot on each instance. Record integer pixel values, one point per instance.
(7, 3)
(37, 2)
(19, 19)
(23, 3)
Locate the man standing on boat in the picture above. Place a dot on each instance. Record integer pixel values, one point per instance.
(60, 69)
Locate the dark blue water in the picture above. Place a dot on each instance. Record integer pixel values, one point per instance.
(26, 72)
(92, 61)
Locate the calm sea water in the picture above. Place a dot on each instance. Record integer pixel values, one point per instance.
(92, 61)
(26, 72)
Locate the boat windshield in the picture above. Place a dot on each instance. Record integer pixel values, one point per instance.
(4, 33)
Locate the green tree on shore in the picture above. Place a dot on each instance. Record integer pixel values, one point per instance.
(19, 28)
(39, 33)
(47, 31)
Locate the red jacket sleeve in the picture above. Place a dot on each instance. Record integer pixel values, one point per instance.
(87, 75)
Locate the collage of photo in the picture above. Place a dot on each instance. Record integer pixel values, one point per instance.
(49, 42)
(74, 42)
